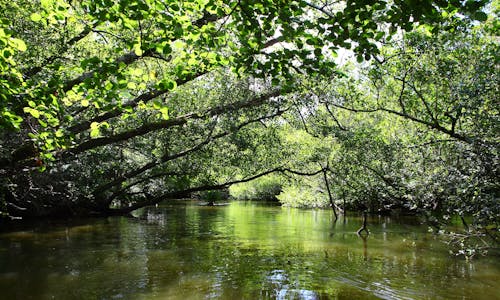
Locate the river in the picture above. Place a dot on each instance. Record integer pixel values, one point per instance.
(245, 250)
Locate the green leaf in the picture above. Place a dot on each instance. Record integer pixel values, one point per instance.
(310, 42)
(47, 156)
(166, 49)
(85, 103)
(19, 44)
(178, 45)
(137, 50)
(94, 129)
(131, 85)
(157, 104)
(136, 72)
(14, 119)
(164, 113)
(59, 133)
(46, 3)
(94, 133)
(480, 16)
(35, 113)
(35, 17)
(167, 84)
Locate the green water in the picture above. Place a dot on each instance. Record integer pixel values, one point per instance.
(240, 251)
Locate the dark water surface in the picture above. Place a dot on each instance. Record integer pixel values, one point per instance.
(240, 251)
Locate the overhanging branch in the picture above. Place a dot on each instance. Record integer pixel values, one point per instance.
(150, 127)
(171, 157)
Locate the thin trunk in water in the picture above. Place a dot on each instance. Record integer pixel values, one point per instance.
(363, 227)
(343, 198)
(330, 196)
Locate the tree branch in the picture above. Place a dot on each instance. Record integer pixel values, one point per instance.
(321, 9)
(82, 126)
(146, 128)
(166, 158)
(173, 194)
(431, 125)
(142, 180)
(131, 57)
(30, 72)
(334, 118)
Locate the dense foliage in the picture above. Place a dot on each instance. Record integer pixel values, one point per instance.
(416, 132)
(108, 106)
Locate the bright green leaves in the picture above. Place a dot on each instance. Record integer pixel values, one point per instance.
(118, 63)
(18, 44)
(85, 102)
(9, 45)
(11, 80)
(167, 84)
(47, 4)
(131, 86)
(136, 72)
(137, 49)
(162, 108)
(36, 17)
(303, 26)
(9, 119)
(45, 113)
(33, 112)
(128, 23)
(163, 48)
(52, 11)
(95, 128)
(178, 45)
(164, 113)
(48, 142)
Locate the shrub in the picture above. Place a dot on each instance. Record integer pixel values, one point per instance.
(264, 188)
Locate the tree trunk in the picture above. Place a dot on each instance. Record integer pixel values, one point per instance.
(330, 196)
(363, 227)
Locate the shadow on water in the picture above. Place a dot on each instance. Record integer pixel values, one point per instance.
(245, 250)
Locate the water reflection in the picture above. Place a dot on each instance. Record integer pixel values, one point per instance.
(279, 286)
(241, 251)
